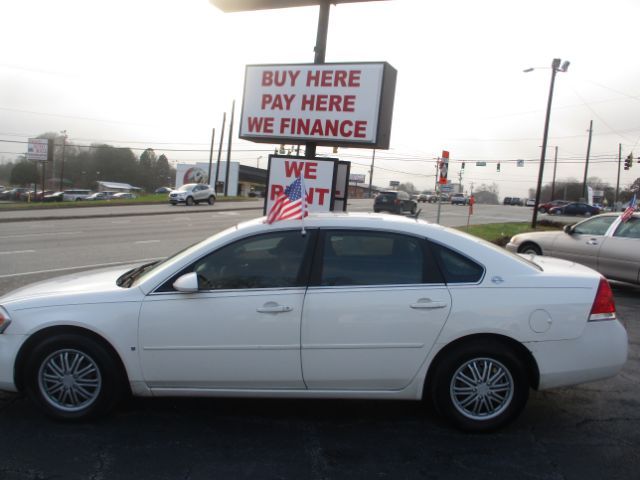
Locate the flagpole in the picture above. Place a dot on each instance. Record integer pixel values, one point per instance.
(303, 187)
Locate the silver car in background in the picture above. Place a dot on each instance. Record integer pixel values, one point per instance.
(603, 242)
(192, 194)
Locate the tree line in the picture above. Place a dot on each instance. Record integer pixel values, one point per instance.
(83, 166)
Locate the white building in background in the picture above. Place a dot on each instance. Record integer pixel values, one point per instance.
(198, 173)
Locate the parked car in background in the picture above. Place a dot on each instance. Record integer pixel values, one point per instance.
(163, 190)
(36, 196)
(54, 197)
(123, 196)
(575, 208)
(192, 194)
(74, 195)
(424, 197)
(531, 202)
(394, 308)
(603, 242)
(98, 196)
(394, 201)
(13, 194)
(544, 207)
(459, 199)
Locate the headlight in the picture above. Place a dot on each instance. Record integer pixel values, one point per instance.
(5, 320)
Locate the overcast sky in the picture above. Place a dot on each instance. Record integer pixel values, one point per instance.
(160, 73)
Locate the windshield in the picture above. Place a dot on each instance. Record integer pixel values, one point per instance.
(153, 267)
(186, 187)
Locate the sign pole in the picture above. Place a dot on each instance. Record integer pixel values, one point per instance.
(320, 52)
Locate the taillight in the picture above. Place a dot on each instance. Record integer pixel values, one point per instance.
(603, 307)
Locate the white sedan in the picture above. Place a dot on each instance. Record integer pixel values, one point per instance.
(350, 306)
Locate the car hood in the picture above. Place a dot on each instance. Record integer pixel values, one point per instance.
(91, 286)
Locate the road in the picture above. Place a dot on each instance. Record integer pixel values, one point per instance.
(584, 432)
(40, 244)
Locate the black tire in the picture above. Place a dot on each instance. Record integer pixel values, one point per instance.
(211, 200)
(542, 210)
(491, 359)
(414, 208)
(73, 377)
(190, 202)
(530, 248)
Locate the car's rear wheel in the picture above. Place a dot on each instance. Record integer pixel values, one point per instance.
(211, 200)
(413, 209)
(190, 201)
(542, 210)
(530, 248)
(480, 386)
(73, 377)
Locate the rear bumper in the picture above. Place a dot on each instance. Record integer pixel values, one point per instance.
(600, 352)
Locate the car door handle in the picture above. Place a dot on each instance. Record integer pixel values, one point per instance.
(273, 307)
(426, 303)
(592, 241)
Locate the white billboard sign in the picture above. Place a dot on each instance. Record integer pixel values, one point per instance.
(329, 104)
(37, 149)
(357, 177)
(319, 180)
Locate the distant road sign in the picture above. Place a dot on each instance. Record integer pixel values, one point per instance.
(394, 183)
(481, 164)
(37, 149)
(446, 188)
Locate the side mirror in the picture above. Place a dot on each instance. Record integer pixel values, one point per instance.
(568, 229)
(187, 283)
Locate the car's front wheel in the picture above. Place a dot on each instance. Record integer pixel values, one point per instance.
(211, 200)
(530, 248)
(72, 377)
(190, 202)
(480, 386)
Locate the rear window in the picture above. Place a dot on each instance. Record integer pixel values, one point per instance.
(455, 267)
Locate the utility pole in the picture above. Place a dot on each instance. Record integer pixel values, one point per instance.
(64, 142)
(586, 165)
(215, 182)
(213, 135)
(226, 176)
(373, 161)
(555, 167)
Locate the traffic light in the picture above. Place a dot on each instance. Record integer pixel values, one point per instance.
(462, 167)
(498, 167)
(628, 162)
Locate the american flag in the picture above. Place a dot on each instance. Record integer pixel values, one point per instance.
(626, 215)
(291, 204)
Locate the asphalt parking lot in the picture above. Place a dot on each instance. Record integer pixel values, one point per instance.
(589, 431)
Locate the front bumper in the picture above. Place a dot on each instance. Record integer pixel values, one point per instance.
(600, 352)
(9, 347)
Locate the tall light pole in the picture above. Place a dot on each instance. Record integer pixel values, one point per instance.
(555, 67)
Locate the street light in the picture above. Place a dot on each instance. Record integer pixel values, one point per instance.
(555, 67)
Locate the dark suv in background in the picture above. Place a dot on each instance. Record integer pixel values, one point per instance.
(394, 202)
